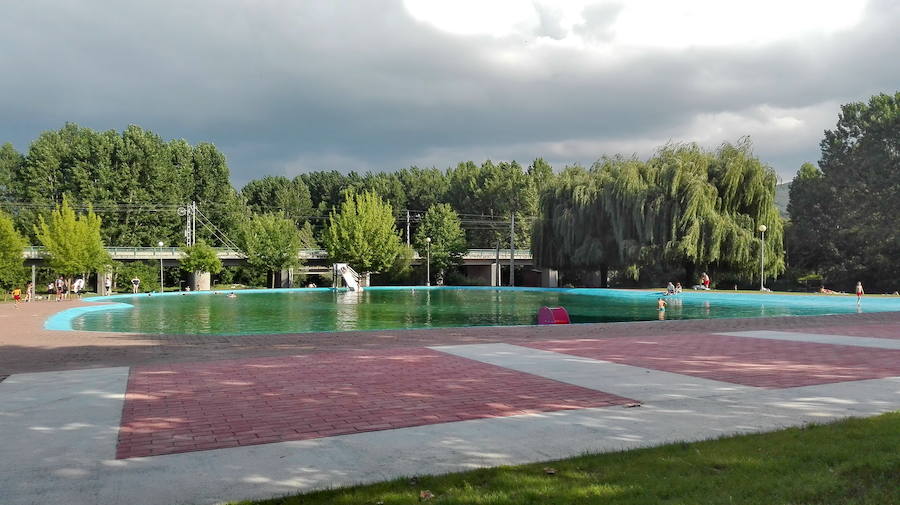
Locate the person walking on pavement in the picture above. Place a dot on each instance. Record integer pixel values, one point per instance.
(60, 287)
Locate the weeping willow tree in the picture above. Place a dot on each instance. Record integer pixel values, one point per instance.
(684, 206)
(577, 226)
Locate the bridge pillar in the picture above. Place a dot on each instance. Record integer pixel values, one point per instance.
(102, 277)
(284, 278)
(549, 278)
(485, 275)
(201, 281)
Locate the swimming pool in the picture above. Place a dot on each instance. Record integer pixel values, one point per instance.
(379, 308)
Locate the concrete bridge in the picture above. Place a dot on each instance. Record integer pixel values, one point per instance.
(478, 264)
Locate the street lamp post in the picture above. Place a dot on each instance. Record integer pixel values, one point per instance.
(762, 257)
(428, 262)
(160, 244)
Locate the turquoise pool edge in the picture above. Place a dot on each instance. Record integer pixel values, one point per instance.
(62, 321)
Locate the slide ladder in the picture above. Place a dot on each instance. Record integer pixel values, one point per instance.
(351, 278)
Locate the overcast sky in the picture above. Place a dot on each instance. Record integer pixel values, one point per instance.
(284, 86)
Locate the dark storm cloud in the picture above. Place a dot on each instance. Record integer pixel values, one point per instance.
(282, 87)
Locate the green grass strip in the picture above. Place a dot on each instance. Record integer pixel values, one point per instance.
(855, 461)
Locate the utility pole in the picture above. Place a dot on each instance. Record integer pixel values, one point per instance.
(190, 223)
(512, 250)
(407, 227)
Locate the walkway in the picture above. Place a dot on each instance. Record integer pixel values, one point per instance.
(305, 412)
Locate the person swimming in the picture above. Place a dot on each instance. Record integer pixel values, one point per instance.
(231, 295)
(661, 305)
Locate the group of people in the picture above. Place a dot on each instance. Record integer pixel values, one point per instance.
(859, 292)
(673, 289)
(60, 288)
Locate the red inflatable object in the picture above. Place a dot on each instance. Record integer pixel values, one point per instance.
(553, 315)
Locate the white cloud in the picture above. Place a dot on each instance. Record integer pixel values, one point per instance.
(642, 24)
(386, 84)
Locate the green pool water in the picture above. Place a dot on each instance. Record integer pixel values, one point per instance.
(295, 311)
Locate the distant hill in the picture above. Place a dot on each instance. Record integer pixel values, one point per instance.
(782, 196)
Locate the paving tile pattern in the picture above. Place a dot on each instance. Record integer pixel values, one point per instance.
(739, 360)
(862, 330)
(213, 405)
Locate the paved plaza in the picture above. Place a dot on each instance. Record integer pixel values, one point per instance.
(103, 418)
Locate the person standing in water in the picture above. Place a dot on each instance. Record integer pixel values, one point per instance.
(859, 292)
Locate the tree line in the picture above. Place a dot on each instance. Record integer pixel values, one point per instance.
(135, 182)
(682, 210)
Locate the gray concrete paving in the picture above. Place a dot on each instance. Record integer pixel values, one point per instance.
(60, 429)
(632, 382)
(879, 343)
(56, 430)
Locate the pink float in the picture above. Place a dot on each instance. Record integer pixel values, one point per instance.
(553, 315)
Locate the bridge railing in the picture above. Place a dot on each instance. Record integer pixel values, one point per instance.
(139, 253)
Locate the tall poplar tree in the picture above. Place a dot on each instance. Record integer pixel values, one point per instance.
(72, 241)
(10, 163)
(12, 246)
(362, 233)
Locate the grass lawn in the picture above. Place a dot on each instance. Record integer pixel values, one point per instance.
(855, 461)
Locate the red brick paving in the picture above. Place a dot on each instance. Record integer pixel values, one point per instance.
(739, 360)
(214, 405)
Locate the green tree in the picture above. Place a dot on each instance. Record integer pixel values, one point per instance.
(424, 187)
(11, 162)
(386, 185)
(12, 246)
(271, 242)
(714, 203)
(200, 257)
(860, 182)
(401, 269)
(279, 194)
(134, 180)
(146, 271)
(490, 193)
(683, 207)
(362, 233)
(325, 189)
(541, 173)
(72, 242)
(574, 230)
(448, 241)
(810, 220)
